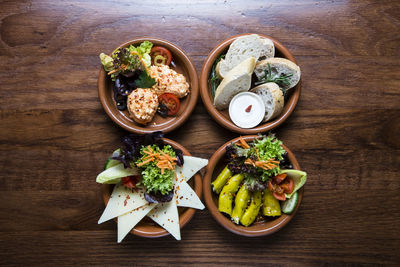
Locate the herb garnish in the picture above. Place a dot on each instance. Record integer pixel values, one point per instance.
(281, 80)
(214, 79)
(145, 80)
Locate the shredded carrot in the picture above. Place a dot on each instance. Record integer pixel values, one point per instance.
(111, 72)
(243, 143)
(258, 156)
(249, 162)
(145, 162)
(162, 159)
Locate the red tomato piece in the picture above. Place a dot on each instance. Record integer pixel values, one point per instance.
(129, 181)
(171, 101)
(288, 186)
(159, 50)
(279, 178)
(278, 196)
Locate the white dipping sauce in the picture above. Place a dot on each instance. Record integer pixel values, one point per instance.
(239, 109)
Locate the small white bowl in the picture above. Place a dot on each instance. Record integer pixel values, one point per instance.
(246, 110)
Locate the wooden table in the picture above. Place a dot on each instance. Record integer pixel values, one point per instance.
(55, 135)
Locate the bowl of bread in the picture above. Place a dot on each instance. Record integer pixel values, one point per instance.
(250, 83)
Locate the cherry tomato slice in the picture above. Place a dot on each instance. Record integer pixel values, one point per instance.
(129, 181)
(288, 186)
(279, 178)
(270, 186)
(159, 50)
(278, 196)
(171, 101)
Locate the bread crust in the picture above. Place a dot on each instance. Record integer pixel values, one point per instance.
(279, 66)
(273, 99)
(237, 80)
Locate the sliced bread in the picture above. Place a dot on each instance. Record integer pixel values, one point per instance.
(272, 97)
(242, 48)
(237, 80)
(279, 67)
(268, 49)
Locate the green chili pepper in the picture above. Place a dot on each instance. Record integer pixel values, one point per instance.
(227, 194)
(221, 180)
(252, 211)
(241, 200)
(271, 206)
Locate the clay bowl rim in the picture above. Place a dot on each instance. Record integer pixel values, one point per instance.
(153, 231)
(260, 229)
(205, 90)
(172, 122)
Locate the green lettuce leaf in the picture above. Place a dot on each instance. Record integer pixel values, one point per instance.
(144, 51)
(152, 178)
(107, 61)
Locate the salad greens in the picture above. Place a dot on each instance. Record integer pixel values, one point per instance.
(258, 161)
(214, 78)
(130, 61)
(143, 50)
(155, 179)
(155, 160)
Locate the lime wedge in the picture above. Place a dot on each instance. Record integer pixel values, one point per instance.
(299, 179)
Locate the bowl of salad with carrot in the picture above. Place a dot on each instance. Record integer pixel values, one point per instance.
(253, 185)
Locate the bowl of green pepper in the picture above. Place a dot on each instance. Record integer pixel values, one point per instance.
(253, 185)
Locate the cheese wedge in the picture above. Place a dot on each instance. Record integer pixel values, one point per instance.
(166, 215)
(190, 167)
(122, 200)
(186, 196)
(129, 220)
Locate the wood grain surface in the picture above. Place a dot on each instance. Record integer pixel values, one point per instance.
(55, 136)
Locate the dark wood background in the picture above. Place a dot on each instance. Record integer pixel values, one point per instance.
(55, 136)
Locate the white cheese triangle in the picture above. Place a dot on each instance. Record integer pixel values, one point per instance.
(122, 200)
(127, 221)
(166, 215)
(190, 166)
(186, 196)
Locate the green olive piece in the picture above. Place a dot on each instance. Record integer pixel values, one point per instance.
(241, 200)
(221, 179)
(226, 197)
(271, 206)
(252, 211)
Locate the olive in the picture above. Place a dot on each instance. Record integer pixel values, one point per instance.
(121, 87)
(162, 110)
(121, 105)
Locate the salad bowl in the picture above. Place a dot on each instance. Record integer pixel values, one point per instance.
(146, 227)
(222, 116)
(181, 63)
(262, 226)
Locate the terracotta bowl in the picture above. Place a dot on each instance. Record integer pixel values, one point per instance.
(181, 63)
(147, 227)
(262, 226)
(222, 117)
